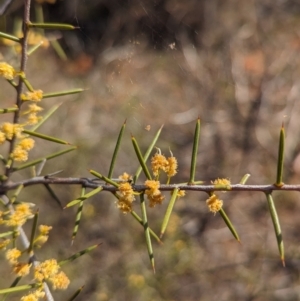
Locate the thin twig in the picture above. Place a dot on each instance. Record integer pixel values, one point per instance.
(92, 183)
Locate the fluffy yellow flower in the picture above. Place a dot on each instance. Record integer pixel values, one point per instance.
(33, 119)
(30, 297)
(181, 193)
(10, 129)
(155, 199)
(19, 154)
(49, 270)
(40, 240)
(126, 197)
(26, 144)
(22, 269)
(7, 71)
(43, 236)
(126, 191)
(20, 216)
(36, 95)
(124, 205)
(60, 281)
(125, 177)
(12, 255)
(24, 208)
(153, 193)
(153, 186)
(172, 166)
(44, 229)
(46, 270)
(222, 182)
(159, 162)
(32, 108)
(34, 296)
(214, 203)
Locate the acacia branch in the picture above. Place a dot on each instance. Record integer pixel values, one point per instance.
(24, 57)
(94, 183)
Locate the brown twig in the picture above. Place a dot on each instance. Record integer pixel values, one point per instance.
(92, 183)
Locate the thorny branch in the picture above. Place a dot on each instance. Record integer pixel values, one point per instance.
(94, 183)
(24, 57)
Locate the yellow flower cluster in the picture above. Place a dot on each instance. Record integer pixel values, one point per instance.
(33, 119)
(12, 255)
(181, 193)
(18, 218)
(20, 152)
(35, 95)
(126, 197)
(9, 130)
(222, 182)
(7, 71)
(172, 166)
(43, 236)
(34, 296)
(20, 268)
(125, 177)
(49, 270)
(32, 111)
(44, 229)
(153, 193)
(160, 162)
(214, 203)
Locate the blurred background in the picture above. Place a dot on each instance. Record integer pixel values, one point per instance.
(233, 63)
